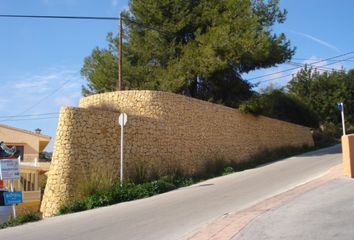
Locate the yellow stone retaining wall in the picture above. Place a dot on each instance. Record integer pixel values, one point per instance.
(165, 131)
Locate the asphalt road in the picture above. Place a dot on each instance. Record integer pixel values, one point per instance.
(179, 214)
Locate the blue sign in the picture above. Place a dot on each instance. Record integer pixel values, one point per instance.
(12, 198)
(340, 107)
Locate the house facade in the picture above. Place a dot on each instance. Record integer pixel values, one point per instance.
(29, 143)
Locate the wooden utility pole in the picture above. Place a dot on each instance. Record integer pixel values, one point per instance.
(120, 54)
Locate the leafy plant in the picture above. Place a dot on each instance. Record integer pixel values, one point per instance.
(88, 186)
(275, 103)
(228, 170)
(21, 219)
(116, 194)
(321, 92)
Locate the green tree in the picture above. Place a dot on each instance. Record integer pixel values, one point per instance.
(275, 103)
(198, 48)
(321, 92)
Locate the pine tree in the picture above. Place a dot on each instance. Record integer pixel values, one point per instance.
(198, 48)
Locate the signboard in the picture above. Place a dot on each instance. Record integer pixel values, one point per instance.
(123, 119)
(12, 198)
(9, 169)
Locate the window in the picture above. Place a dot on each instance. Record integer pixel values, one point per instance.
(19, 152)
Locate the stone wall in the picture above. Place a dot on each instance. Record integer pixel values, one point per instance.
(165, 131)
(85, 146)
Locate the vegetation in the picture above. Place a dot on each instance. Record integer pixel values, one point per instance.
(321, 91)
(196, 48)
(21, 219)
(280, 105)
(45, 156)
(117, 193)
(42, 182)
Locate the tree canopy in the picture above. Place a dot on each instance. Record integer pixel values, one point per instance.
(321, 92)
(276, 103)
(198, 48)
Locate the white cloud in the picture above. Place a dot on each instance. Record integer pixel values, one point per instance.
(29, 89)
(317, 40)
(32, 84)
(44, 82)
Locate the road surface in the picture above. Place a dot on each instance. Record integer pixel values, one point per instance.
(181, 213)
(305, 218)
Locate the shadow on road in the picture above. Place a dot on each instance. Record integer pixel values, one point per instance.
(336, 149)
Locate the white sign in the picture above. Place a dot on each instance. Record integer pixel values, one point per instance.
(123, 119)
(9, 169)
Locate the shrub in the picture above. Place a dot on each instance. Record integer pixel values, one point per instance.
(21, 219)
(280, 105)
(228, 170)
(42, 181)
(88, 186)
(117, 194)
(74, 206)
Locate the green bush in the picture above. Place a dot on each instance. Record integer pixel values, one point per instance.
(42, 181)
(21, 219)
(280, 105)
(228, 170)
(117, 194)
(73, 206)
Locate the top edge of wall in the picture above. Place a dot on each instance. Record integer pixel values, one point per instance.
(151, 96)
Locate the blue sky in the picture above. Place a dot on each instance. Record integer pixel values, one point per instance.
(40, 60)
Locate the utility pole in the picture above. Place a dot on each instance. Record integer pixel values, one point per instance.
(120, 54)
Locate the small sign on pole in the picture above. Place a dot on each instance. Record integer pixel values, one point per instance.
(340, 107)
(10, 170)
(11, 198)
(123, 118)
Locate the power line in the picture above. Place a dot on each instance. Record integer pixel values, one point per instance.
(307, 59)
(28, 119)
(41, 100)
(290, 69)
(267, 80)
(30, 115)
(317, 67)
(58, 17)
(87, 18)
